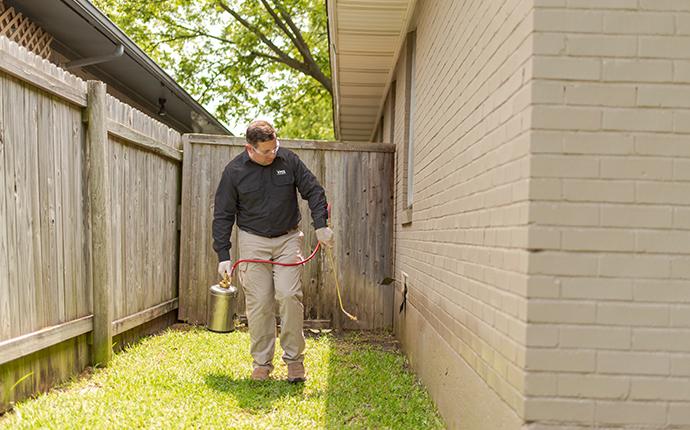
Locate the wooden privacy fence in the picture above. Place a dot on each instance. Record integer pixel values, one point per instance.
(358, 183)
(89, 192)
(90, 227)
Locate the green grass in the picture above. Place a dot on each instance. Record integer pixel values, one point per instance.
(198, 379)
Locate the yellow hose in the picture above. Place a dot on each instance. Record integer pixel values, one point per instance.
(329, 252)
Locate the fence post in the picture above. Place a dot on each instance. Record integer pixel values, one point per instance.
(99, 200)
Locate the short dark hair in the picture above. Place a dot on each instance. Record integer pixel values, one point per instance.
(260, 131)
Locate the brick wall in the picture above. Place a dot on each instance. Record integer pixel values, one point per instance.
(548, 257)
(465, 249)
(609, 284)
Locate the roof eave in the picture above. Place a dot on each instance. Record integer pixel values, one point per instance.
(397, 37)
(99, 19)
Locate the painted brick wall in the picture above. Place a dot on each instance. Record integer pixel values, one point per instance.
(609, 287)
(465, 249)
(549, 249)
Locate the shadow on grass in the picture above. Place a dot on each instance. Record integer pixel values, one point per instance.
(369, 386)
(254, 395)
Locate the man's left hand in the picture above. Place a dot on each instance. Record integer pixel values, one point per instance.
(325, 236)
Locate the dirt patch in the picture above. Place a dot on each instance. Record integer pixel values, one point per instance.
(182, 327)
(352, 340)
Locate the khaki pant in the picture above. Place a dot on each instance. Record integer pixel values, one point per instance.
(264, 284)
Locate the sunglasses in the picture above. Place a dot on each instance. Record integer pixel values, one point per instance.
(270, 151)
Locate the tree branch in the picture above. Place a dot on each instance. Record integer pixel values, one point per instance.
(281, 24)
(172, 39)
(285, 58)
(197, 31)
(299, 40)
(315, 70)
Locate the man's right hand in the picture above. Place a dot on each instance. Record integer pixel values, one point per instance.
(225, 266)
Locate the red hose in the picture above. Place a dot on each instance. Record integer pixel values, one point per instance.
(249, 260)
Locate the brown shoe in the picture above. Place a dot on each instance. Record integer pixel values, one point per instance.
(260, 373)
(296, 372)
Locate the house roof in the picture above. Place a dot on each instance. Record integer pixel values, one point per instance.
(365, 38)
(80, 30)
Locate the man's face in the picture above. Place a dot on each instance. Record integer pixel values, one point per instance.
(264, 153)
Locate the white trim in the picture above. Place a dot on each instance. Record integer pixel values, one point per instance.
(401, 42)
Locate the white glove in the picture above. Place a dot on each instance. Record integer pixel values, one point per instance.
(225, 266)
(325, 236)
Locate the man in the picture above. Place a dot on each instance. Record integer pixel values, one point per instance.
(258, 188)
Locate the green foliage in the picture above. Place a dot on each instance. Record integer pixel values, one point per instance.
(198, 379)
(228, 67)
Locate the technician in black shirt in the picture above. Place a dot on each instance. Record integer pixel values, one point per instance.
(259, 189)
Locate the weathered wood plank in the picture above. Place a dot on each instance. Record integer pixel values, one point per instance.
(212, 139)
(41, 370)
(45, 223)
(153, 326)
(5, 285)
(156, 221)
(142, 141)
(67, 171)
(373, 234)
(141, 317)
(332, 181)
(58, 220)
(80, 253)
(116, 196)
(386, 246)
(11, 143)
(173, 215)
(13, 62)
(361, 297)
(205, 266)
(138, 235)
(20, 346)
(46, 217)
(34, 260)
(23, 226)
(186, 221)
(144, 231)
(100, 222)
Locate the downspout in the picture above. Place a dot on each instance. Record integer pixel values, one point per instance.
(95, 60)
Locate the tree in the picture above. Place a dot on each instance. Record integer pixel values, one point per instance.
(241, 58)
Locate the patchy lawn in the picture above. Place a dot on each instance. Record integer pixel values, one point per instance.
(198, 379)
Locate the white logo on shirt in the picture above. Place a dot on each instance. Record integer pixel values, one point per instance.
(281, 172)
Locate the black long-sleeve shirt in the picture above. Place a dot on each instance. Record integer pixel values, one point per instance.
(264, 198)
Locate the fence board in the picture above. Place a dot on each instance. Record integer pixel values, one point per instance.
(44, 368)
(67, 244)
(41, 157)
(58, 219)
(46, 187)
(45, 247)
(28, 67)
(43, 338)
(145, 160)
(5, 321)
(345, 176)
(34, 263)
(11, 143)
